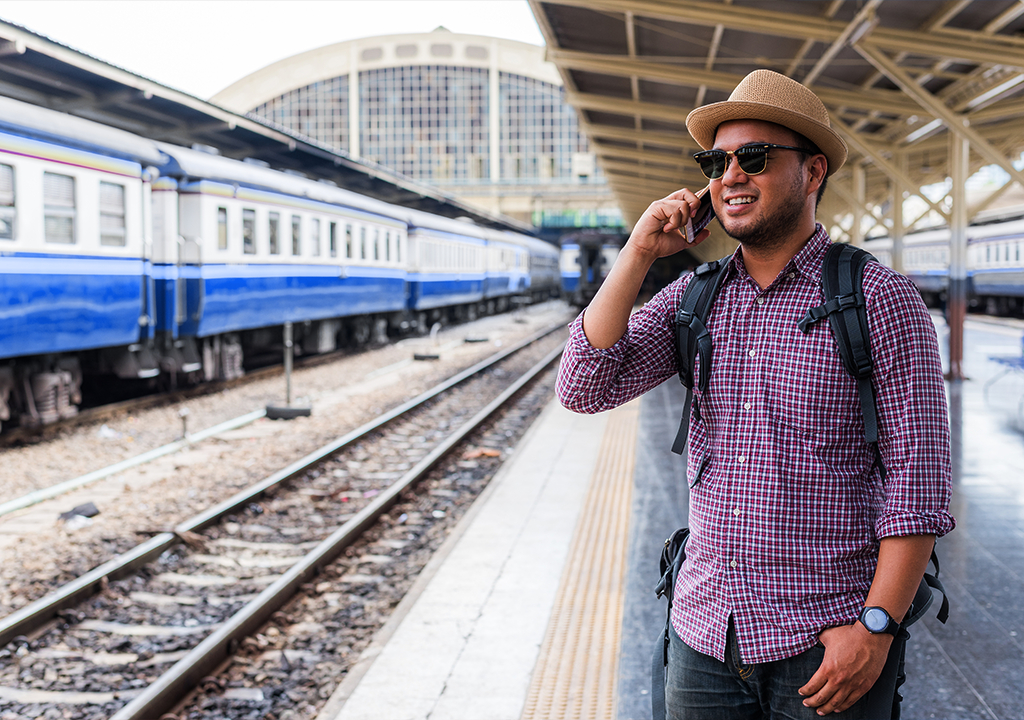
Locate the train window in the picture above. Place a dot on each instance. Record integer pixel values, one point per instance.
(296, 235)
(59, 208)
(248, 231)
(362, 243)
(348, 241)
(273, 232)
(314, 236)
(376, 244)
(333, 240)
(222, 228)
(387, 246)
(988, 253)
(112, 215)
(7, 207)
(398, 248)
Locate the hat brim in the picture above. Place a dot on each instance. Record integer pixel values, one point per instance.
(703, 123)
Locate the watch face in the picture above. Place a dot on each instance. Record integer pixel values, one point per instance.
(875, 619)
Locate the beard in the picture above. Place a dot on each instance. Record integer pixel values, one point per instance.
(773, 226)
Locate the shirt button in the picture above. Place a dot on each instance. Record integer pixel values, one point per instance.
(751, 353)
(733, 563)
(791, 276)
(737, 512)
(741, 459)
(760, 301)
(746, 406)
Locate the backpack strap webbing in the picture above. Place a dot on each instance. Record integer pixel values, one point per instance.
(842, 286)
(693, 341)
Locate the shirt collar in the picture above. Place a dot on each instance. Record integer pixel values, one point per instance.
(806, 262)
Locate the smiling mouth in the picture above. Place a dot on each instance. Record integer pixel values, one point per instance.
(739, 201)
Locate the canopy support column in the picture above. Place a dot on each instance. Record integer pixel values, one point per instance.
(956, 303)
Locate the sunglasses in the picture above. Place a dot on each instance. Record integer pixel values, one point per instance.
(753, 159)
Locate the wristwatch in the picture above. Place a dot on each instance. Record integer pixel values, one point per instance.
(877, 621)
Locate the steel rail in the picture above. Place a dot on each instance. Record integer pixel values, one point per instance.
(168, 689)
(31, 617)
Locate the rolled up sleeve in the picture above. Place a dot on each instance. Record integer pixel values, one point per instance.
(912, 414)
(592, 380)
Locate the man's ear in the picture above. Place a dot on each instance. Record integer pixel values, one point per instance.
(816, 172)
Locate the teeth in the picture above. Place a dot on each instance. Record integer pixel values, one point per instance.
(740, 201)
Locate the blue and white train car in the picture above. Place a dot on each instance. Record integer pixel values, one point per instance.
(508, 272)
(74, 266)
(447, 267)
(995, 254)
(135, 259)
(545, 278)
(585, 261)
(259, 248)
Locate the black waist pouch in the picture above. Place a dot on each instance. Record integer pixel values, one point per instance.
(672, 556)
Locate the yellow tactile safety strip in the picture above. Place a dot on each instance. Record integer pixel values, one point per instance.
(576, 672)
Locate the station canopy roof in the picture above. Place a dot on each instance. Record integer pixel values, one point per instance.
(41, 71)
(896, 76)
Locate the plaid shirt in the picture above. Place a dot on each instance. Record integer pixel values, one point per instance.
(786, 506)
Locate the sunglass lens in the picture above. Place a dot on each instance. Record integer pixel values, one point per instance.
(712, 164)
(752, 160)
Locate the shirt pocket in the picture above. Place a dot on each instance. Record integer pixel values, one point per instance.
(807, 387)
(695, 471)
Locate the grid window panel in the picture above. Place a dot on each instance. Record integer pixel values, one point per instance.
(428, 122)
(318, 111)
(539, 130)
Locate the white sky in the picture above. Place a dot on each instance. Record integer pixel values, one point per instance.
(203, 46)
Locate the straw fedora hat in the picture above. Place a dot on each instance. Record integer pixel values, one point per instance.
(769, 96)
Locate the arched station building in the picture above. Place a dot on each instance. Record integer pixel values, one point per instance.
(481, 118)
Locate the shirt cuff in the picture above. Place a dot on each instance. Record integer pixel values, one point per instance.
(578, 339)
(899, 524)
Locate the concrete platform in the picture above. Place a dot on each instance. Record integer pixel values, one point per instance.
(500, 625)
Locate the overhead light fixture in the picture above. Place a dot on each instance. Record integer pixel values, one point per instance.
(997, 90)
(923, 130)
(864, 28)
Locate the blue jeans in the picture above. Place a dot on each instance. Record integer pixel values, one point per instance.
(699, 687)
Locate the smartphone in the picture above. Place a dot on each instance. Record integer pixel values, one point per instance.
(702, 216)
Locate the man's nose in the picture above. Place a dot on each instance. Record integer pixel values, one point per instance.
(733, 172)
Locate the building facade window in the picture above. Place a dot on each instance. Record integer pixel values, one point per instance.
(429, 122)
(318, 111)
(539, 131)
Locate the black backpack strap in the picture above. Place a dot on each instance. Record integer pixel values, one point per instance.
(693, 341)
(923, 598)
(842, 285)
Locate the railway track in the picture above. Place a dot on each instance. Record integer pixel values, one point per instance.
(135, 636)
(99, 413)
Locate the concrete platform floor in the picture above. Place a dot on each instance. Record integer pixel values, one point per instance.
(465, 643)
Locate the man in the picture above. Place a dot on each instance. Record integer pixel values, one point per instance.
(795, 531)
